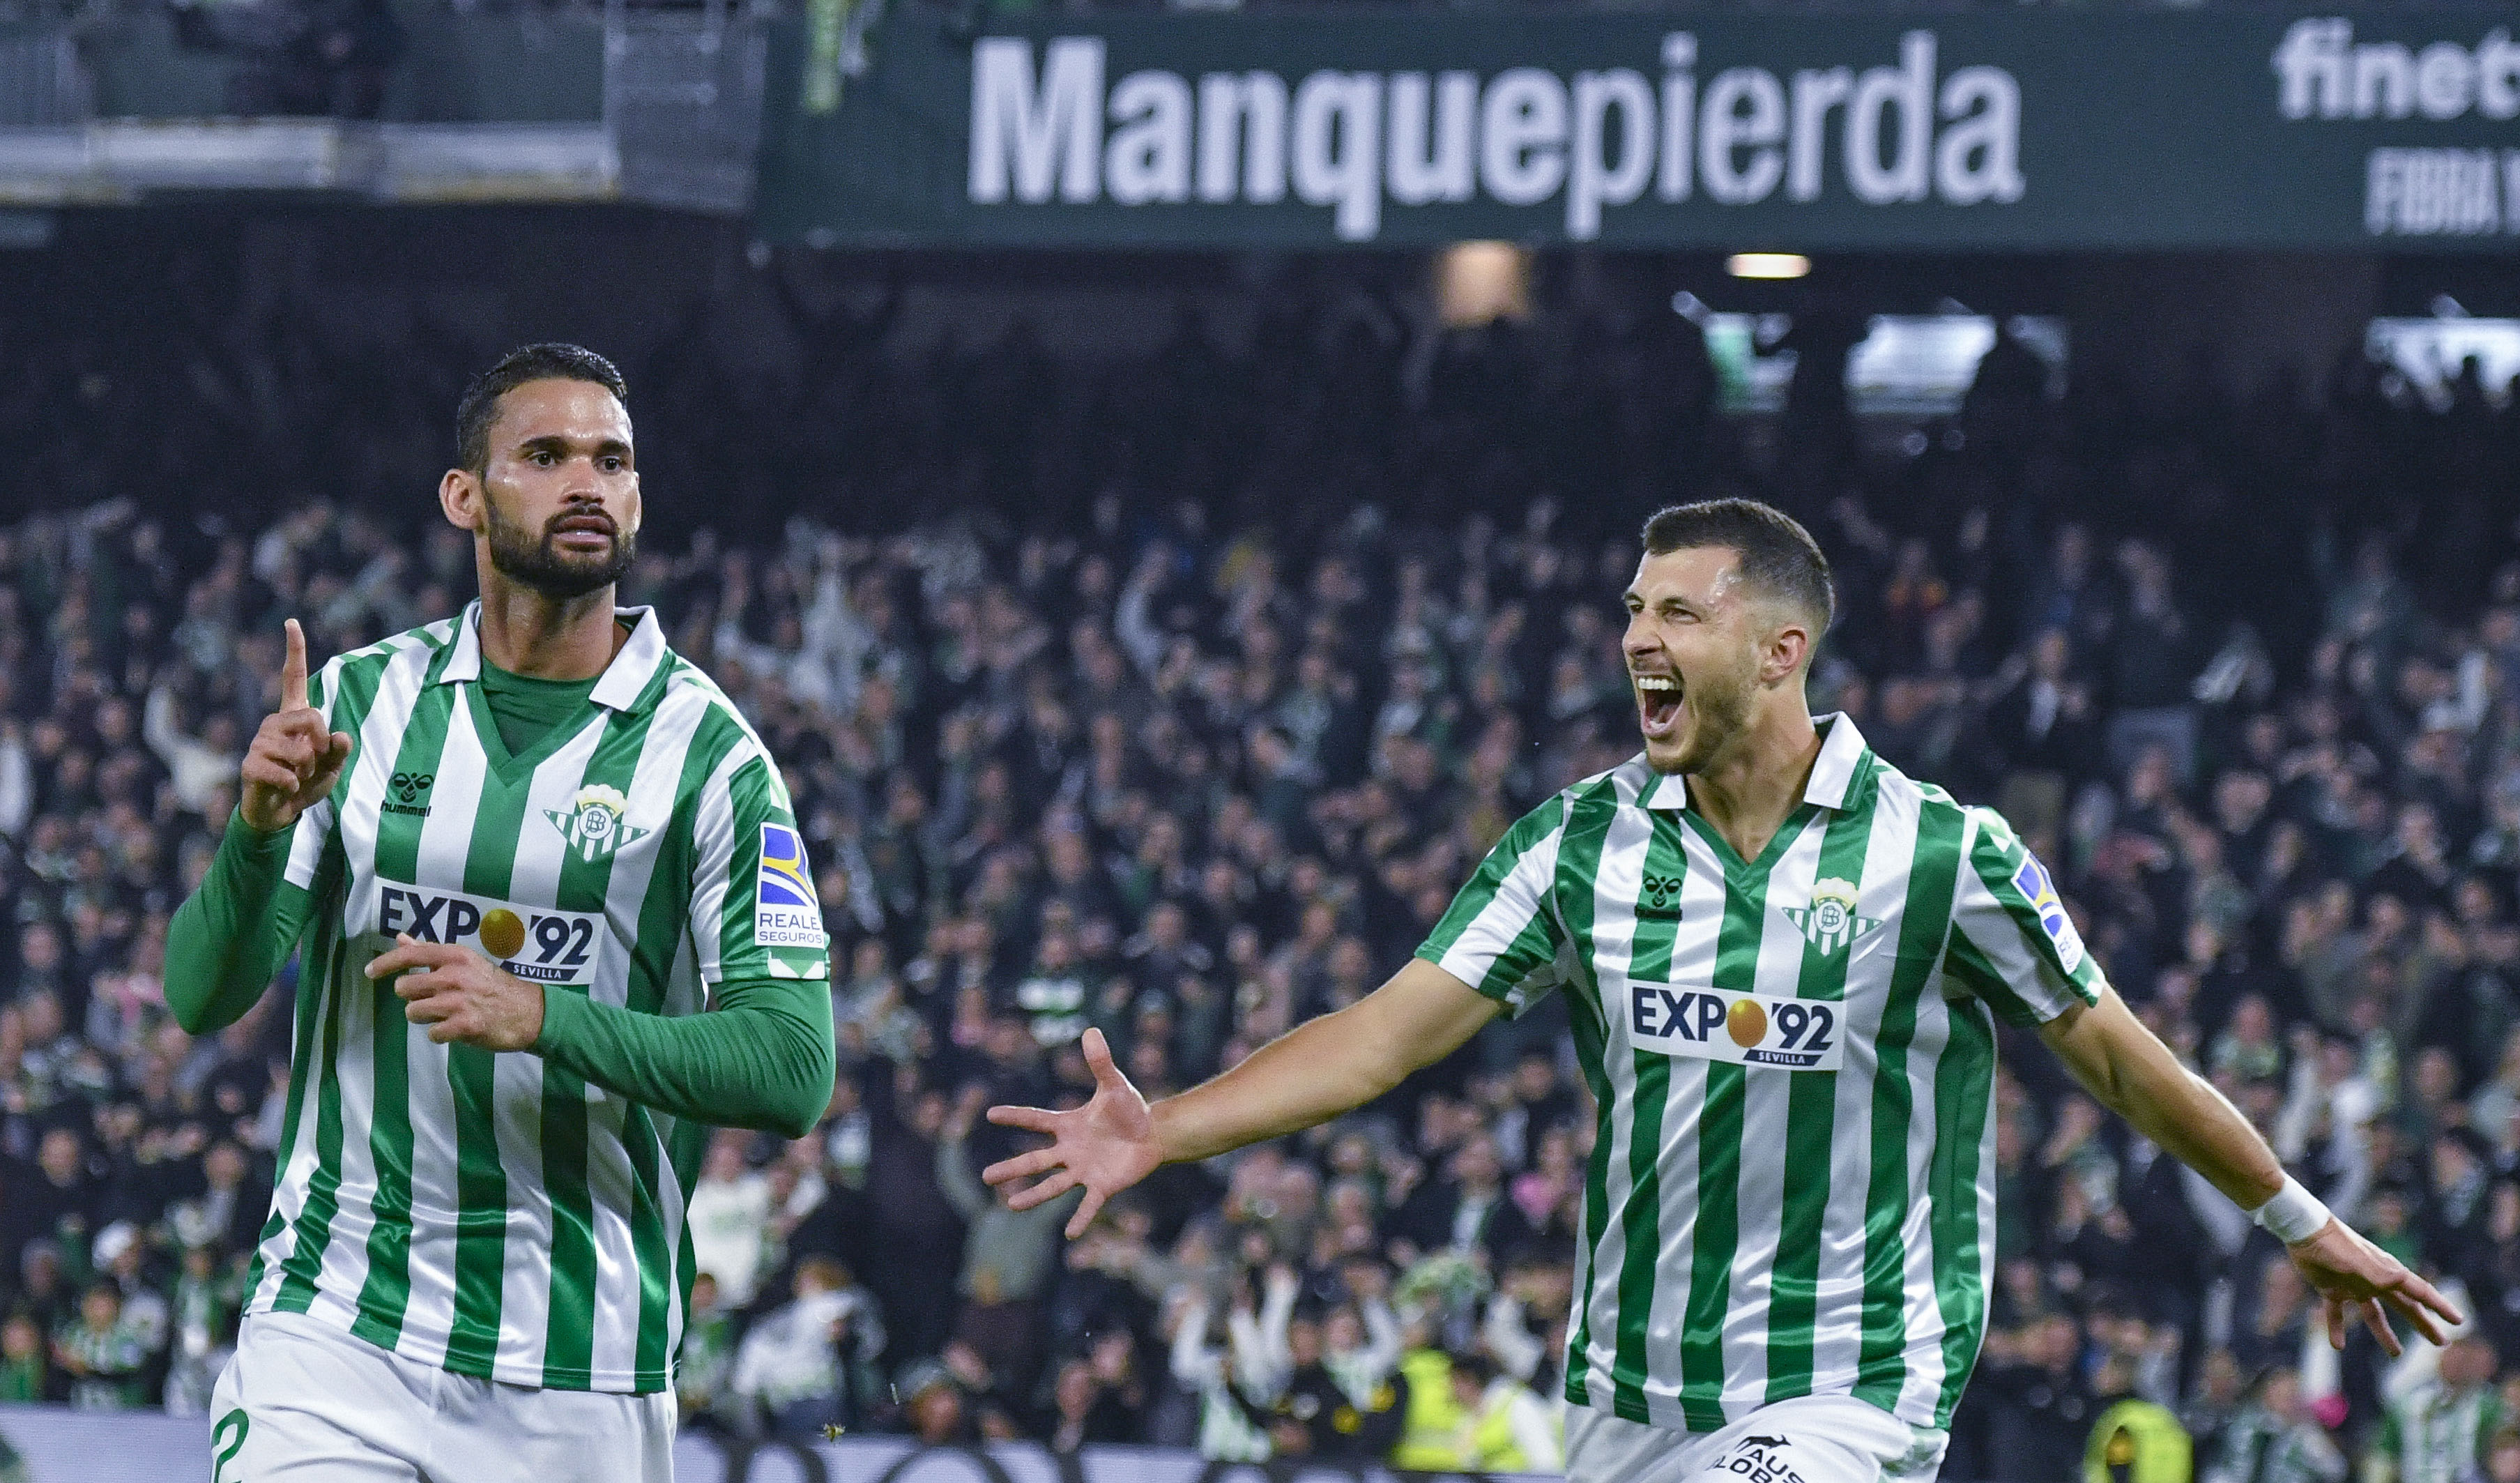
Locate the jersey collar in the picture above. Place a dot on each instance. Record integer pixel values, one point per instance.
(1834, 772)
(622, 686)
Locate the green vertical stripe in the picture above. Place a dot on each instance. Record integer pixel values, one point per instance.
(568, 1342)
(744, 800)
(1924, 922)
(648, 1240)
(1811, 1127)
(1963, 1085)
(387, 1295)
(480, 1183)
(1579, 866)
(1649, 961)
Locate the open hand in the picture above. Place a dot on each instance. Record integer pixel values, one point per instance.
(462, 995)
(2350, 1273)
(1105, 1145)
(292, 760)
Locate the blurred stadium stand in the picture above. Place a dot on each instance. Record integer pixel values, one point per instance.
(1168, 681)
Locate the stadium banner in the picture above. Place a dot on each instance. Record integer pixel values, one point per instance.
(51, 1444)
(2019, 130)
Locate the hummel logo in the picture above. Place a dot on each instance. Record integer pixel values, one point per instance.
(407, 790)
(1659, 895)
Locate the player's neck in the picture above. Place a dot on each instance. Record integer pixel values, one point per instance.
(1752, 786)
(530, 633)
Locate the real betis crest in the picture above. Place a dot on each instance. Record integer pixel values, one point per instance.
(1829, 922)
(592, 825)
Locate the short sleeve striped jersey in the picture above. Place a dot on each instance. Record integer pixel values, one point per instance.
(1792, 1059)
(490, 1213)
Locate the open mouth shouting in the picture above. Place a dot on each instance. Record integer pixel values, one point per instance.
(1658, 705)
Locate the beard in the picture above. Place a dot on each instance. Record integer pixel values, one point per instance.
(1719, 710)
(539, 563)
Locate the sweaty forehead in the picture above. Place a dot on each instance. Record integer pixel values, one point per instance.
(574, 411)
(1702, 575)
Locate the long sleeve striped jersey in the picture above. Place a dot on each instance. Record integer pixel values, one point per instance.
(1791, 1191)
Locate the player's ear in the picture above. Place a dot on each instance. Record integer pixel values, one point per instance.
(459, 496)
(1787, 647)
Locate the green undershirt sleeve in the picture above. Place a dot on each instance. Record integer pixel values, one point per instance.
(761, 1059)
(228, 940)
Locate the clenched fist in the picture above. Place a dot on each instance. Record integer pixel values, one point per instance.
(293, 761)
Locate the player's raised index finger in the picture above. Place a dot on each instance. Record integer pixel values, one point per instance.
(292, 670)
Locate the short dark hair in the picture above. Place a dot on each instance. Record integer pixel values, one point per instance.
(1779, 556)
(549, 361)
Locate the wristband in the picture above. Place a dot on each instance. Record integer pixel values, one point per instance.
(2293, 1215)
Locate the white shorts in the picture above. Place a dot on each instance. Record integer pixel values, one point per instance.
(1812, 1439)
(304, 1402)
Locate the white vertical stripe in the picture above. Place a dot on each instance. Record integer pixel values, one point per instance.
(1889, 862)
(517, 1079)
(306, 844)
(445, 842)
(1614, 919)
(714, 852)
(1766, 1112)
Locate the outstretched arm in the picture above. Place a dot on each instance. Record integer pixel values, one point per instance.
(2134, 1074)
(1307, 1076)
(1326, 1067)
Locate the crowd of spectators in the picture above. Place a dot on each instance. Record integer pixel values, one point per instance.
(1191, 735)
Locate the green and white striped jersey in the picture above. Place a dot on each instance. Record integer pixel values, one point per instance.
(487, 1212)
(1791, 1192)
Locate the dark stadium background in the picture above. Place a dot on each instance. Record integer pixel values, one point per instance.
(1153, 641)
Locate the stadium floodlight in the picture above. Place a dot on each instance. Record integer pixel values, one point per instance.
(1766, 265)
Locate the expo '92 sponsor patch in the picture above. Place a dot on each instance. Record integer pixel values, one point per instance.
(786, 914)
(1704, 1022)
(2032, 882)
(536, 943)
